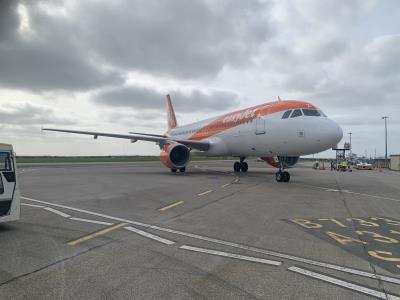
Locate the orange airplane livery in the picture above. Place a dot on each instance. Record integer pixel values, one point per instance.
(278, 132)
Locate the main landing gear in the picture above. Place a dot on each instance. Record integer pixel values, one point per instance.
(241, 166)
(182, 170)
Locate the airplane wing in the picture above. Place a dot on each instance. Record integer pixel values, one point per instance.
(149, 134)
(162, 140)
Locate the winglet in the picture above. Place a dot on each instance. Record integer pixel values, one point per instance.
(171, 114)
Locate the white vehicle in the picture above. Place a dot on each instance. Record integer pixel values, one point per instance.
(363, 166)
(9, 191)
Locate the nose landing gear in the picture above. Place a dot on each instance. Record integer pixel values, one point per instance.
(282, 176)
(241, 166)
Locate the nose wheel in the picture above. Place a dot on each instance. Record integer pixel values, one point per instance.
(282, 176)
(241, 166)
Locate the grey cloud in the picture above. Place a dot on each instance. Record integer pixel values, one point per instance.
(48, 58)
(28, 114)
(9, 20)
(154, 121)
(145, 98)
(179, 38)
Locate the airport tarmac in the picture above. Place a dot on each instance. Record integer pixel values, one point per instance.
(138, 231)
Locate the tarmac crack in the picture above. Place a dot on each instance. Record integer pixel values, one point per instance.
(53, 264)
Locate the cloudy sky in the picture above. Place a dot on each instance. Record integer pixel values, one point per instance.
(107, 65)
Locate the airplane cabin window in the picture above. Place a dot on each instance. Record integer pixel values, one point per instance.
(286, 114)
(311, 112)
(296, 113)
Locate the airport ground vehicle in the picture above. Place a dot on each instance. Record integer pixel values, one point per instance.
(9, 191)
(363, 165)
(279, 132)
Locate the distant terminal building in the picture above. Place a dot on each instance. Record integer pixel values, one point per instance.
(395, 162)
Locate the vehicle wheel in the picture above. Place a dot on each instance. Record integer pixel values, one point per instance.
(173, 170)
(285, 176)
(236, 166)
(182, 170)
(244, 167)
(278, 176)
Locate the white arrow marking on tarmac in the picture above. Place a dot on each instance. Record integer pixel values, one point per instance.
(92, 221)
(150, 236)
(342, 283)
(232, 255)
(32, 205)
(57, 212)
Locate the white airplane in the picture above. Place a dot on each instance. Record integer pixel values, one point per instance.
(279, 132)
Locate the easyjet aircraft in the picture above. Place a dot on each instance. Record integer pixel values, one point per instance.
(278, 132)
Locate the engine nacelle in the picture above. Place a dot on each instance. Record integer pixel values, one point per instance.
(175, 156)
(284, 161)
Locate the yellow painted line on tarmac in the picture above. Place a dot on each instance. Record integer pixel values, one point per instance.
(237, 179)
(225, 185)
(96, 234)
(171, 205)
(205, 193)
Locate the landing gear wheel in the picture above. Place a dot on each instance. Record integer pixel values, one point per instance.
(279, 176)
(236, 166)
(285, 176)
(173, 170)
(244, 167)
(182, 170)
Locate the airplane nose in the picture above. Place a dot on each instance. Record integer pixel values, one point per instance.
(335, 133)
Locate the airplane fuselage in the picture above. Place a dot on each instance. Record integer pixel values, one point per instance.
(262, 131)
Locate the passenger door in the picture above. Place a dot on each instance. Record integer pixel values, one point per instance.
(260, 126)
(7, 181)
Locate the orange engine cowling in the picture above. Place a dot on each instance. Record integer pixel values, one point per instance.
(175, 156)
(285, 161)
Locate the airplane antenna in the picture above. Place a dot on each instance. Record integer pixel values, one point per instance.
(279, 98)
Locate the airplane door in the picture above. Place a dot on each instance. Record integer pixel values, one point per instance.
(260, 126)
(7, 181)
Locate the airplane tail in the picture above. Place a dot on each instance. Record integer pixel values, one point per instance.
(171, 114)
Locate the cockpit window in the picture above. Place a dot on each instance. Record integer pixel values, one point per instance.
(322, 114)
(296, 113)
(311, 112)
(286, 114)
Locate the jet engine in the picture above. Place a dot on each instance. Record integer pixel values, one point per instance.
(175, 156)
(284, 161)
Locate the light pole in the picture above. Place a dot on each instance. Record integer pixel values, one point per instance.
(385, 118)
(351, 150)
